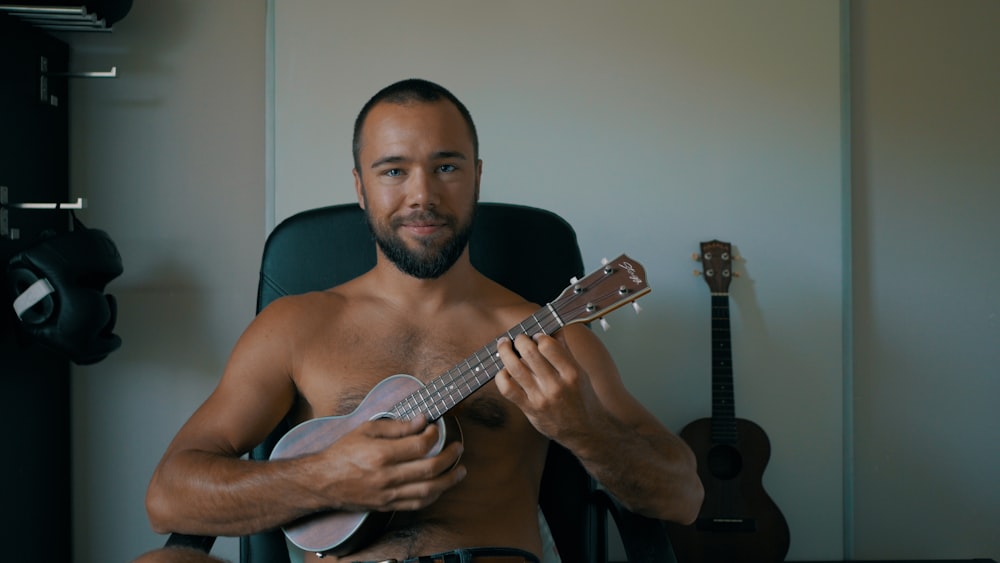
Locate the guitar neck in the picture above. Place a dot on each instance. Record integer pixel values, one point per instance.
(452, 387)
(723, 397)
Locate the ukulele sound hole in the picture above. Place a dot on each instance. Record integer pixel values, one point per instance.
(725, 462)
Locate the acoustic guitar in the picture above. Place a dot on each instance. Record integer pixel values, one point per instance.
(619, 282)
(738, 522)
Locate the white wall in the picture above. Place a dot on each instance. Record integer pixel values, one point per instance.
(927, 330)
(650, 126)
(170, 157)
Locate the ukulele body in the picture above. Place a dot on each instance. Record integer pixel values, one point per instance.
(738, 521)
(340, 532)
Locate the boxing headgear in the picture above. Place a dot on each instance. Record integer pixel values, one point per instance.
(57, 287)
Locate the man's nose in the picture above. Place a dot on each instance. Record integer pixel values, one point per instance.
(423, 189)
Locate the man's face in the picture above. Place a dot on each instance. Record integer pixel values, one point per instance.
(418, 184)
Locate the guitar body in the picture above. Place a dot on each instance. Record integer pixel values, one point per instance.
(339, 532)
(738, 521)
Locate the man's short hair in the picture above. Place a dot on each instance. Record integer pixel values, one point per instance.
(407, 91)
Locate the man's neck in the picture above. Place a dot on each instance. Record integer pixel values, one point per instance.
(456, 285)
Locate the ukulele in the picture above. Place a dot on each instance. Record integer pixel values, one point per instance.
(402, 396)
(738, 522)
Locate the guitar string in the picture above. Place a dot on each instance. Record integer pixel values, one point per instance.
(554, 327)
(418, 401)
(443, 388)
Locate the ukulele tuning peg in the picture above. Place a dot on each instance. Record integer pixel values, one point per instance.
(604, 324)
(604, 261)
(736, 274)
(695, 257)
(635, 305)
(573, 280)
(697, 273)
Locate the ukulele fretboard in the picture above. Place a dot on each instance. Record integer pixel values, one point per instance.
(723, 398)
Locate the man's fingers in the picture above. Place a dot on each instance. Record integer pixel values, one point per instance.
(414, 495)
(395, 427)
(410, 439)
(428, 468)
(417, 483)
(509, 388)
(526, 365)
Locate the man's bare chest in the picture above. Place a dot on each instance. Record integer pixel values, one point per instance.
(337, 372)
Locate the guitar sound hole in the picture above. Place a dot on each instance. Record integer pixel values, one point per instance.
(725, 462)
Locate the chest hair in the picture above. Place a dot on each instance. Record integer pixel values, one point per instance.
(424, 353)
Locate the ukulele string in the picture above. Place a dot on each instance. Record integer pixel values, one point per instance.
(428, 400)
(446, 391)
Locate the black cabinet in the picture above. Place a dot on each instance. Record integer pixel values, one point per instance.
(35, 472)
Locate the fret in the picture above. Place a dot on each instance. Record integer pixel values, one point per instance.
(494, 358)
(480, 369)
(541, 328)
(470, 371)
(520, 329)
(559, 321)
(407, 406)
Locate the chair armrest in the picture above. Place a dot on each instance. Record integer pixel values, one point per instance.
(201, 543)
(645, 539)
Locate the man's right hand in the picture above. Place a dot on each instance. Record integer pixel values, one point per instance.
(385, 465)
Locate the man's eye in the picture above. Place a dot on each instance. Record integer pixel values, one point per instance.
(447, 168)
(393, 172)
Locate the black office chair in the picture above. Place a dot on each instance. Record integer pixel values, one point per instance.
(530, 251)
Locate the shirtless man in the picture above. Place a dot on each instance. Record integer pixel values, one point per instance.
(420, 310)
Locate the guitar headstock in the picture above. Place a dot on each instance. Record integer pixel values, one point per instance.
(717, 264)
(617, 283)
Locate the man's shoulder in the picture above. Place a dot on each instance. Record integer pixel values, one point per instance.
(303, 307)
(306, 301)
(508, 303)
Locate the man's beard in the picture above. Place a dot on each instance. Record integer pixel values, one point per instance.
(429, 260)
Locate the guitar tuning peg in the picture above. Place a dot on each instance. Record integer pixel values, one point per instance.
(697, 273)
(604, 261)
(695, 257)
(635, 305)
(604, 324)
(573, 280)
(736, 274)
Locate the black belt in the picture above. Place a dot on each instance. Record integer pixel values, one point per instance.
(468, 555)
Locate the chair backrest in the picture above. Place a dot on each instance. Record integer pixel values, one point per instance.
(530, 251)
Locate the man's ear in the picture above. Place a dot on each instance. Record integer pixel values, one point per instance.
(359, 188)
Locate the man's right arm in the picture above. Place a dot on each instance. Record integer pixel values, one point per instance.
(202, 485)
(381, 466)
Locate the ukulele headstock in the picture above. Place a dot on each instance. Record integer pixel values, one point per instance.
(717, 265)
(617, 283)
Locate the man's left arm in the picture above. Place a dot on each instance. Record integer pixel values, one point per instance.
(571, 391)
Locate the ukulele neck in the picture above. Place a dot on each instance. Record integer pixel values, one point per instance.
(723, 397)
